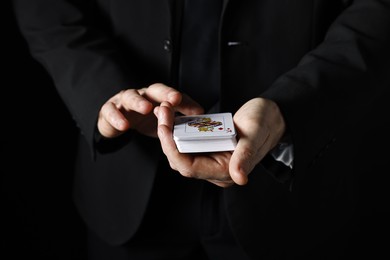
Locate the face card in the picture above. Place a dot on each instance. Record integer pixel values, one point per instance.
(206, 126)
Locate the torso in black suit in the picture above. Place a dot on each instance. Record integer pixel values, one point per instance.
(316, 58)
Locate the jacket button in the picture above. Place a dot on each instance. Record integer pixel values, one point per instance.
(167, 45)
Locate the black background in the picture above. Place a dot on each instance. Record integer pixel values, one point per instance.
(37, 150)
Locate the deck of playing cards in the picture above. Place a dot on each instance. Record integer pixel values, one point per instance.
(205, 133)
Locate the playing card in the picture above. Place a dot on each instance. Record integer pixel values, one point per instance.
(204, 133)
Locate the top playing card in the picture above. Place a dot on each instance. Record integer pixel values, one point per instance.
(209, 126)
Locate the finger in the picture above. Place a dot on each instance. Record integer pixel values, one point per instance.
(189, 107)
(183, 163)
(246, 155)
(111, 121)
(165, 120)
(210, 166)
(184, 104)
(164, 115)
(159, 93)
(222, 184)
(132, 100)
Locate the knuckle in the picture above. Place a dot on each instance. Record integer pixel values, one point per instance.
(104, 108)
(225, 168)
(187, 173)
(172, 165)
(224, 184)
(106, 111)
(156, 85)
(248, 152)
(128, 94)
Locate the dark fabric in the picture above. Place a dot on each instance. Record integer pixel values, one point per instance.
(185, 219)
(324, 62)
(199, 60)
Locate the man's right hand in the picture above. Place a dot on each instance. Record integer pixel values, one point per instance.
(132, 109)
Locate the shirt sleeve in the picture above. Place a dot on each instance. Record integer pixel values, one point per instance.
(284, 152)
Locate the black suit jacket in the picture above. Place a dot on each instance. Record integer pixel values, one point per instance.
(324, 62)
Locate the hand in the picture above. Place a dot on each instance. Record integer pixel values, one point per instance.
(132, 109)
(259, 125)
(213, 167)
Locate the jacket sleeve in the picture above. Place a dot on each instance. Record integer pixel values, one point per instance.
(336, 82)
(84, 62)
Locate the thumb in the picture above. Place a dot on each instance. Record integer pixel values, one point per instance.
(241, 162)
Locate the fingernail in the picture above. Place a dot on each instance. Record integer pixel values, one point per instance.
(155, 111)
